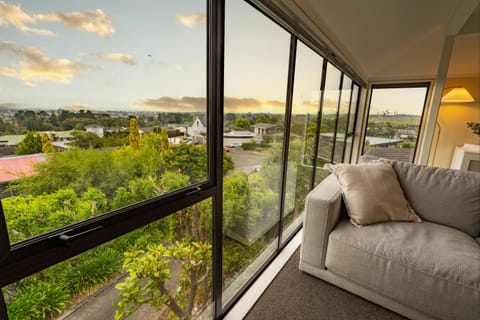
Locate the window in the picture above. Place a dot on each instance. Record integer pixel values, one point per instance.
(305, 106)
(256, 70)
(96, 124)
(168, 260)
(394, 120)
(342, 120)
(97, 117)
(351, 123)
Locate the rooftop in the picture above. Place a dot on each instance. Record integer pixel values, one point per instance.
(11, 168)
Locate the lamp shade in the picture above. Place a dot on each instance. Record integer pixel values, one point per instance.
(458, 94)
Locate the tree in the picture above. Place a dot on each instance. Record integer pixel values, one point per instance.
(134, 137)
(32, 143)
(164, 140)
(149, 270)
(242, 123)
(85, 140)
(47, 146)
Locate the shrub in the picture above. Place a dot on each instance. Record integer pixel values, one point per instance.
(249, 145)
(40, 301)
(94, 269)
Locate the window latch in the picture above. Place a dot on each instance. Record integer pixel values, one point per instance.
(66, 237)
(194, 190)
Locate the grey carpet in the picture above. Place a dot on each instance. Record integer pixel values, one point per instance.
(296, 295)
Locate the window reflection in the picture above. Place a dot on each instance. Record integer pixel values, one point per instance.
(256, 69)
(306, 103)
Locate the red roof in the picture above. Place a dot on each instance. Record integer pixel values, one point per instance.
(12, 168)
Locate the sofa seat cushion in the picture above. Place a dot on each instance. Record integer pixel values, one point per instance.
(433, 268)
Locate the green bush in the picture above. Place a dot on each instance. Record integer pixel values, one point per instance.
(249, 145)
(40, 301)
(94, 269)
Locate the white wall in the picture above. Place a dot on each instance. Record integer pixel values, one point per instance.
(451, 129)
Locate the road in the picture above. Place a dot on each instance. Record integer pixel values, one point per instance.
(245, 161)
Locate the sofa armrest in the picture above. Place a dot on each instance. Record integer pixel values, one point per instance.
(322, 211)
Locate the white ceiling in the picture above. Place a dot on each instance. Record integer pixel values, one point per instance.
(395, 39)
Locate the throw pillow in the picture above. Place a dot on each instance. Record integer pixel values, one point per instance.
(372, 193)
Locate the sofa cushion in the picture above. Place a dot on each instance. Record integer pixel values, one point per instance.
(428, 266)
(446, 196)
(372, 193)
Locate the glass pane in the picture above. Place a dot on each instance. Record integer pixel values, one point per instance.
(101, 103)
(351, 124)
(160, 271)
(394, 122)
(306, 102)
(329, 117)
(256, 70)
(342, 119)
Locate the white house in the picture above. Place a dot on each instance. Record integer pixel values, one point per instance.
(93, 128)
(198, 127)
(261, 129)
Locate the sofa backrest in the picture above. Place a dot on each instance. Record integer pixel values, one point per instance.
(445, 196)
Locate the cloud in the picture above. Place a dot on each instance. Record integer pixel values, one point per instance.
(120, 57)
(199, 104)
(78, 107)
(192, 20)
(170, 104)
(37, 67)
(14, 15)
(9, 105)
(233, 104)
(8, 72)
(90, 21)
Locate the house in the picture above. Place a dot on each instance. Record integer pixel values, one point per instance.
(261, 129)
(198, 127)
(96, 129)
(14, 167)
(284, 52)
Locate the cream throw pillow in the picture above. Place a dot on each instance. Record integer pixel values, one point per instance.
(372, 193)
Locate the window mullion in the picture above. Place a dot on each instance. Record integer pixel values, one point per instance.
(286, 137)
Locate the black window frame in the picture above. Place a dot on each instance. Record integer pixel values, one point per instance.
(403, 85)
(29, 256)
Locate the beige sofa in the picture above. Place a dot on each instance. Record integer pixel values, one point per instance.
(427, 270)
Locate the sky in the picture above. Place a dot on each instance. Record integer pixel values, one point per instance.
(398, 101)
(102, 54)
(148, 55)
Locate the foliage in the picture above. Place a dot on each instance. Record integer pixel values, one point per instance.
(165, 145)
(475, 126)
(243, 123)
(47, 146)
(149, 270)
(137, 190)
(91, 271)
(235, 202)
(227, 163)
(408, 144)
(249, 145)
(189, 160)
(85, 140)
(31, 143)
(32, 215)
(134, 137)
(38, 302)
(266, 118)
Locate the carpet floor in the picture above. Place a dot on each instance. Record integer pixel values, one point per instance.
(296, 295)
